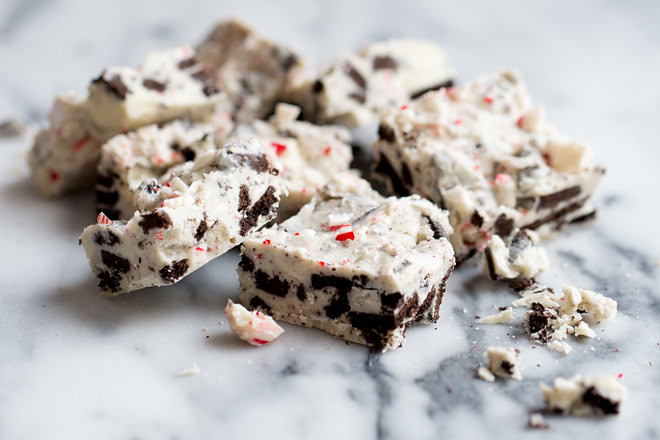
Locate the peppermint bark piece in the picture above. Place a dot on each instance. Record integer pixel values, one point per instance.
(169, 84)
(503, 362)
(209, 208)
(483, 151)
(352, 263)
(306, 155)
(590, 396)
(148, 152)
(252, 70)
(356, 87)
(519, 259)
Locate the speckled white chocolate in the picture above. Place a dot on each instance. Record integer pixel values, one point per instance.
(598, 395)
(185, 223)
(305, 155)
(483, 151)
(520, 258)
(129, 159)
(352, 263)
(356, 87)
(504, 362)
(252, 70)
(65, 155)
(253, 327)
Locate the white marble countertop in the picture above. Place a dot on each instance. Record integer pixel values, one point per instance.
(74, 365)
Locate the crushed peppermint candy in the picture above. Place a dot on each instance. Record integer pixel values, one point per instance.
(345, 236)
(279, 148)
(103, 219)
(254, 327)
(338, 227)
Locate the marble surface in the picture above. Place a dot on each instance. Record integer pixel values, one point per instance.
(74, 365)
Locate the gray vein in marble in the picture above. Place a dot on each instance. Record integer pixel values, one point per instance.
(447, 387)
(19, 12)
(379, 376)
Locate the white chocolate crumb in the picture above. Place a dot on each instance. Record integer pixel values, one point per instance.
(190, 371)
(485, 374)
(537, 421)
(559, 346)
(503, 317)
(583, 329)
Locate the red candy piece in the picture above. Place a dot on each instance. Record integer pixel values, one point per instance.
(279, 148)
(81, 143)
(345, 236)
